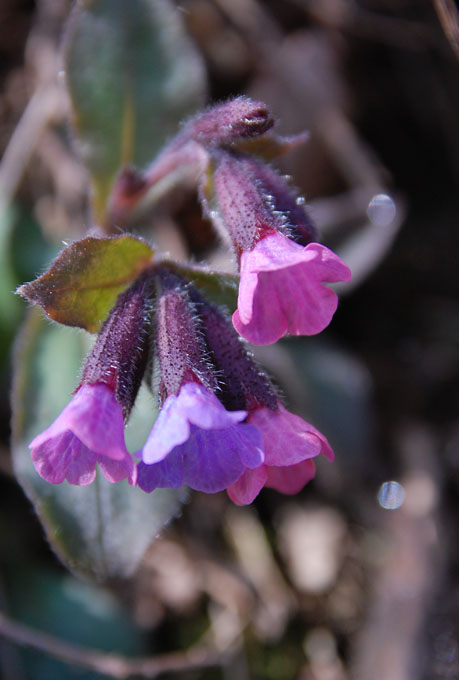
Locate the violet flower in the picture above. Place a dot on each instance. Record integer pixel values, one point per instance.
(195, 440)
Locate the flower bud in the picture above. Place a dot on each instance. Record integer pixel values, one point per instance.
(229, 122)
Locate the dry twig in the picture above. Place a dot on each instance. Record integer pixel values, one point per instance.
(114, 665)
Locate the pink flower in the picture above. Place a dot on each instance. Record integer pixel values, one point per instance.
(282, 269)
(281, 289)
(89, 431)
(289, 444)
(196, 441)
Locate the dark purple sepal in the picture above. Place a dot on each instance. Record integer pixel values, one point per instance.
(243, 206)
(120, 353)
(243, 384)
(179, 343)
(253, 200)
(284, 200)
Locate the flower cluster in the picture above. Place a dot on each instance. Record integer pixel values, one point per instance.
(221, 423)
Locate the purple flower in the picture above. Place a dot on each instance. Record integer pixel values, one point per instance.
(289, 444)
(196, 441)
(89, 431)
(281, 289)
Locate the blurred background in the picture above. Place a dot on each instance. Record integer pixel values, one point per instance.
(356, 577)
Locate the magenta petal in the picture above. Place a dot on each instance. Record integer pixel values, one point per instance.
(194, 405)
(65, 457)
(290, 479)
(89, 430)
(287, 438)
(116, 470)
(95, 418)
(281, 289)
(248, 486)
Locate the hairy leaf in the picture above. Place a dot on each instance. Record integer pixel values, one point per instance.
(133, 75)
(83, 282)
(101, 530)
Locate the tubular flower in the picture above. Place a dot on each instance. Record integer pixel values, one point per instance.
(281, 289)
(221, 423)
(195, 440)
(90, 429)
(282, 270)
(289, 442)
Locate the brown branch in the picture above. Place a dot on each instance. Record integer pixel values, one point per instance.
(114, 665)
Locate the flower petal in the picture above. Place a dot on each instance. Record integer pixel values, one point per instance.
(202, 408)
(116, 470)
(170, 430)
(95, 417)
(287, 438)
(281, 289)
(65, 457)
(290, 479)
(194, 405)
(248, 486)
(215, 459)
(168, 473)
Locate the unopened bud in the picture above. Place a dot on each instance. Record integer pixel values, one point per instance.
(229, 122)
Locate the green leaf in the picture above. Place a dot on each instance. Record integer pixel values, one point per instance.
(221, 289)
(83, 282)
(133, 74)
(101, 530)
